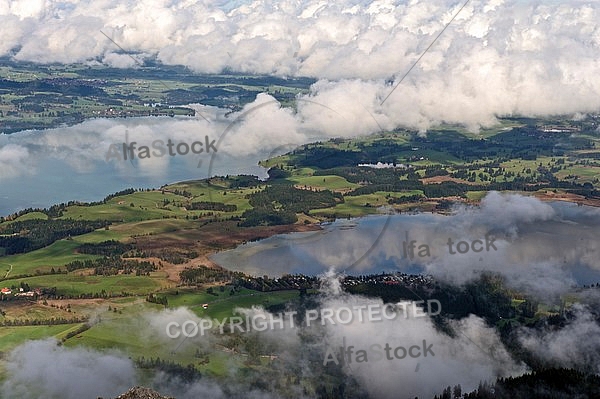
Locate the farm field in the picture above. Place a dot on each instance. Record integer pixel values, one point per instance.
(75, 285)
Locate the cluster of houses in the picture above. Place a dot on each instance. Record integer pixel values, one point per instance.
(383, 165)
(7, 292)
(411, 280)
(559, 129)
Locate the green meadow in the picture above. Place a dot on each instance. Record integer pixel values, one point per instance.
(11, 337)
(43, 260)
(75, 285)
(129, 330)
(359, 205)
(330, 182)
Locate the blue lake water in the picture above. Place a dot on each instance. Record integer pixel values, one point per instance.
(42, 168)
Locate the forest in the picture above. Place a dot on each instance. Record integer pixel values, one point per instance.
(29, 235)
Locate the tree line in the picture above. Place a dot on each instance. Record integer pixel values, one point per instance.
(279, 203)
(113, 265)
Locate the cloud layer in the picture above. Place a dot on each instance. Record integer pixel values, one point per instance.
(42, 369)
(498, 57)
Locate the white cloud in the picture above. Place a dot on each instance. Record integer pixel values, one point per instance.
(498, 57)
(572, 346)
(42, 369)
(14, 161)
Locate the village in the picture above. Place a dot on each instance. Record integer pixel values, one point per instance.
(7, 294)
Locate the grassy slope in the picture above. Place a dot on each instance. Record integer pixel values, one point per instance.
(129, 330)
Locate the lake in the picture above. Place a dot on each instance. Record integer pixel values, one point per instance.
(556, 245)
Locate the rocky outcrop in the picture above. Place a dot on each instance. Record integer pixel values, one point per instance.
(142, 393)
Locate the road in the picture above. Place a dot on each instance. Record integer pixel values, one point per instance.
(8, 272)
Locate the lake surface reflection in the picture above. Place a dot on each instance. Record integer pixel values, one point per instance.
(553, 243)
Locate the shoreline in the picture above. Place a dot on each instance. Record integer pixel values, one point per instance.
(294, 228)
